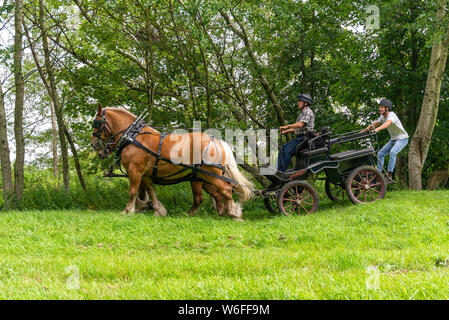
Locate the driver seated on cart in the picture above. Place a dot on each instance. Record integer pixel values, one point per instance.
(304, 123)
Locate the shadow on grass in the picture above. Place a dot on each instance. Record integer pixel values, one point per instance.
(252, 210)
(178, 201)
(329, 204)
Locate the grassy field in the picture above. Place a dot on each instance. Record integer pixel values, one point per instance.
(397, 248)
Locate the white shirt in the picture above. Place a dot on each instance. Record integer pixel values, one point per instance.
(396, 130)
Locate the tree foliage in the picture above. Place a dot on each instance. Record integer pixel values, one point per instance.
(236, 64)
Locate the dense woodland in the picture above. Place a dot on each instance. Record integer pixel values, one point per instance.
(228, 63)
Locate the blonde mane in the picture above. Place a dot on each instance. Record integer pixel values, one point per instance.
(121, 109)
(128, 113)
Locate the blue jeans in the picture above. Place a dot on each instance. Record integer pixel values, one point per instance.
(393, 147)
(287, 151)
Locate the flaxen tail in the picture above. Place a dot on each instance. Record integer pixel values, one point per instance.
(245, 187)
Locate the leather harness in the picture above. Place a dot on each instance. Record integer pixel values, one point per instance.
(129, 137)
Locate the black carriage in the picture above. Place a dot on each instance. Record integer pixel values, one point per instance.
(348, 161)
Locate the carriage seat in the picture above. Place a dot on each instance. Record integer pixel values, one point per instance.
(317, 142)
(351, 154)
(313, 152)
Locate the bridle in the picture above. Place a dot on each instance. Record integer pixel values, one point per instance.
(102, 125)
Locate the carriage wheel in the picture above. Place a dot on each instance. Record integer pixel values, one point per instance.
(335, 191)
(365, 184)
(297, 197)
(271, 204)
(271, 201)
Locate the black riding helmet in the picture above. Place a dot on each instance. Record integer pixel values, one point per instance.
(306, 98)
(386, 103)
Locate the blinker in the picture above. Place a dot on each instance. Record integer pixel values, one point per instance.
(97, 124)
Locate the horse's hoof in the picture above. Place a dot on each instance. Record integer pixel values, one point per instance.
(237, 219)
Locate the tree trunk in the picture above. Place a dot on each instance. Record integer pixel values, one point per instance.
(55, 98)
(54, 130)
(255, 173)
(54, 144)
(4, 155)
(149, 59)
(437, 178)
(18, 110)
(402, 170)
(75, 158)
(208, 94)
(420, 143)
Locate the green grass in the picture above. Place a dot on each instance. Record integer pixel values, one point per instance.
(397, 248)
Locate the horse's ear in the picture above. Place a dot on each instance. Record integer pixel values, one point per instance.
(99, 109)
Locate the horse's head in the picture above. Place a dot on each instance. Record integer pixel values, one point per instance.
(101, 135)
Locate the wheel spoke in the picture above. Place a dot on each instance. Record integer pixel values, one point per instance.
(302, 199)
(362, 179)
(290, 204)
(371, 180)
(287, 210)
(294, 208)
(338, 193)
(305, 209)
(294, 205)
(371, 194)
(335, 191)
(359, 183)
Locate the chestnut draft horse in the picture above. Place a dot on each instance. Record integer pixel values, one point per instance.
(149, 159)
